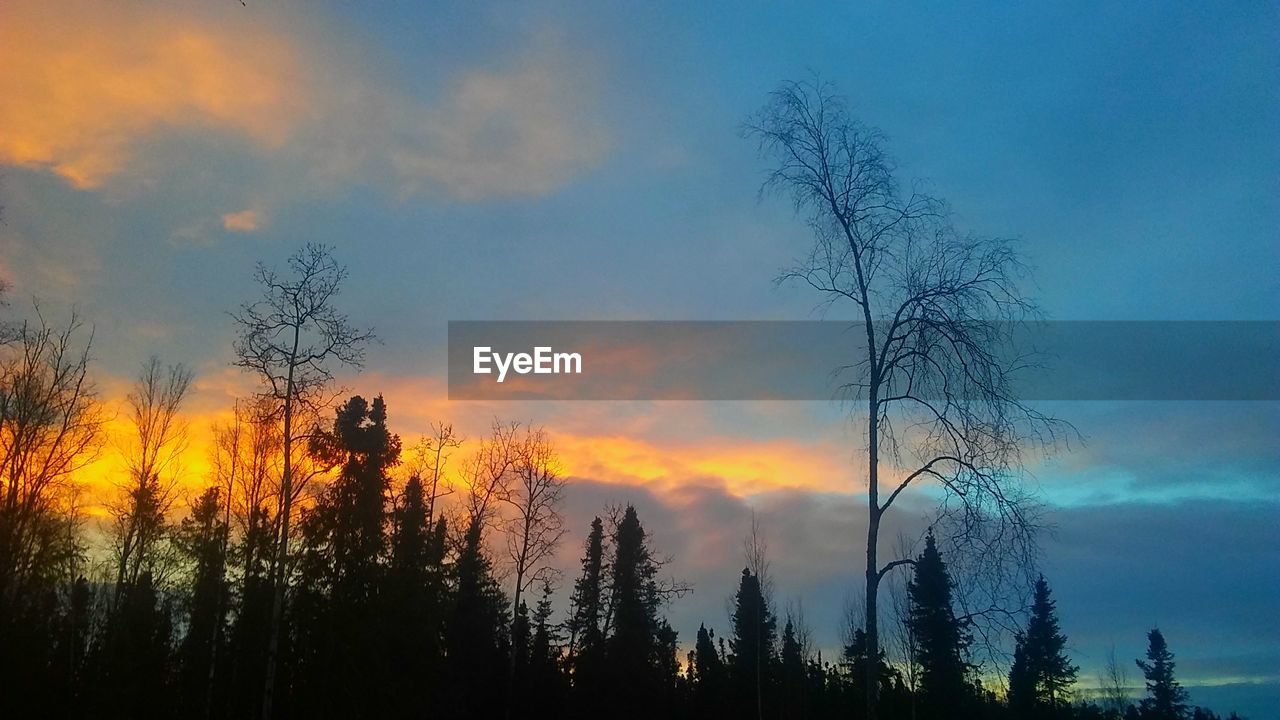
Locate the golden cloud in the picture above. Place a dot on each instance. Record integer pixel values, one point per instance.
(78, 97)
(244, 221)
(82, 99)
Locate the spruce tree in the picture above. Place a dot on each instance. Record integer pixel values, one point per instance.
(707, 672)
(793, 675)
(200, 539)
(586, 636)
(635, 665)
(941, 639)
(1049, 672)
(752, 648)
(1166, 699)
(338, 659)
(476, 642)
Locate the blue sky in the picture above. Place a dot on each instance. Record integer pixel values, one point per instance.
(547, 161)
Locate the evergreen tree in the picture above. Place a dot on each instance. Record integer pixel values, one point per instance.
(635, 663)
(476, 643)
(545, 687)
(200, 538)
(708, 675)
(752, 645)
(586, 633)
(1022, 681)
(941, 639)
(1042, 674)
(793, 675)
(1166, 700)
(412, 599)
(339, 661)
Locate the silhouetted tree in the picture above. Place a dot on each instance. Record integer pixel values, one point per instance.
(476, 642)
(708, 676)
(159, 436)
(1166, 700)
(1042, 674)
(637, 669)
(941, 639)
(752, 659)
(937, 309)
(200, 539)
(50, 427)
(288, 339)
(586, 632)
(414, 601)
(343, 542)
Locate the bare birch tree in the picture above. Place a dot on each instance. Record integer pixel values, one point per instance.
(290, 339)
(937, 309)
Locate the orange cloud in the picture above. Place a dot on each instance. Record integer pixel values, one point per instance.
(244, 221)
(83, 84)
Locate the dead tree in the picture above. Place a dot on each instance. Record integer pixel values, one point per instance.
(290, 339)
(937, 309)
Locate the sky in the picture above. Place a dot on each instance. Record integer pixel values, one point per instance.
(490, 161)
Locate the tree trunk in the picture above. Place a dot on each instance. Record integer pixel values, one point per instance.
(872, 627)
(282, 546)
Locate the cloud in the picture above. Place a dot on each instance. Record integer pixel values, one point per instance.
(86, 100)
(518, 131)
(79, 97)
(244, 221)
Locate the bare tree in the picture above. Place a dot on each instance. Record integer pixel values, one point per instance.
(50, 426)
(152, 456)
(290, 339)
(535, 526)
(937, 309)
(427, 461)
(1113, 684)
(489, 473)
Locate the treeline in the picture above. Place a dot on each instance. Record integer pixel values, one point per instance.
(326, 570)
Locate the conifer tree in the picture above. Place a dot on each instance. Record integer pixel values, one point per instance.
(1166, 699)
(793, 675)
(339, 660)
(708, 675)
(586, 634)
(634, 652)
(199, 538)
(941, 639)
(752, 645)
(1039, 684)
(476, 642)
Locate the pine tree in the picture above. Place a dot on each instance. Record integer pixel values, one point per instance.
(339, 662)
(752, 645)
(635, 662)
(586, 634)
(412, 599)
(1047, 674)
(707, 673)
(545, 687)
(793, 675)
(476, 642)
(1166, 700)
(200, 539)
(1022, 682)
(941, 639)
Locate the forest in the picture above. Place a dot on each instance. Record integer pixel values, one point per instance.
(328, 570)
